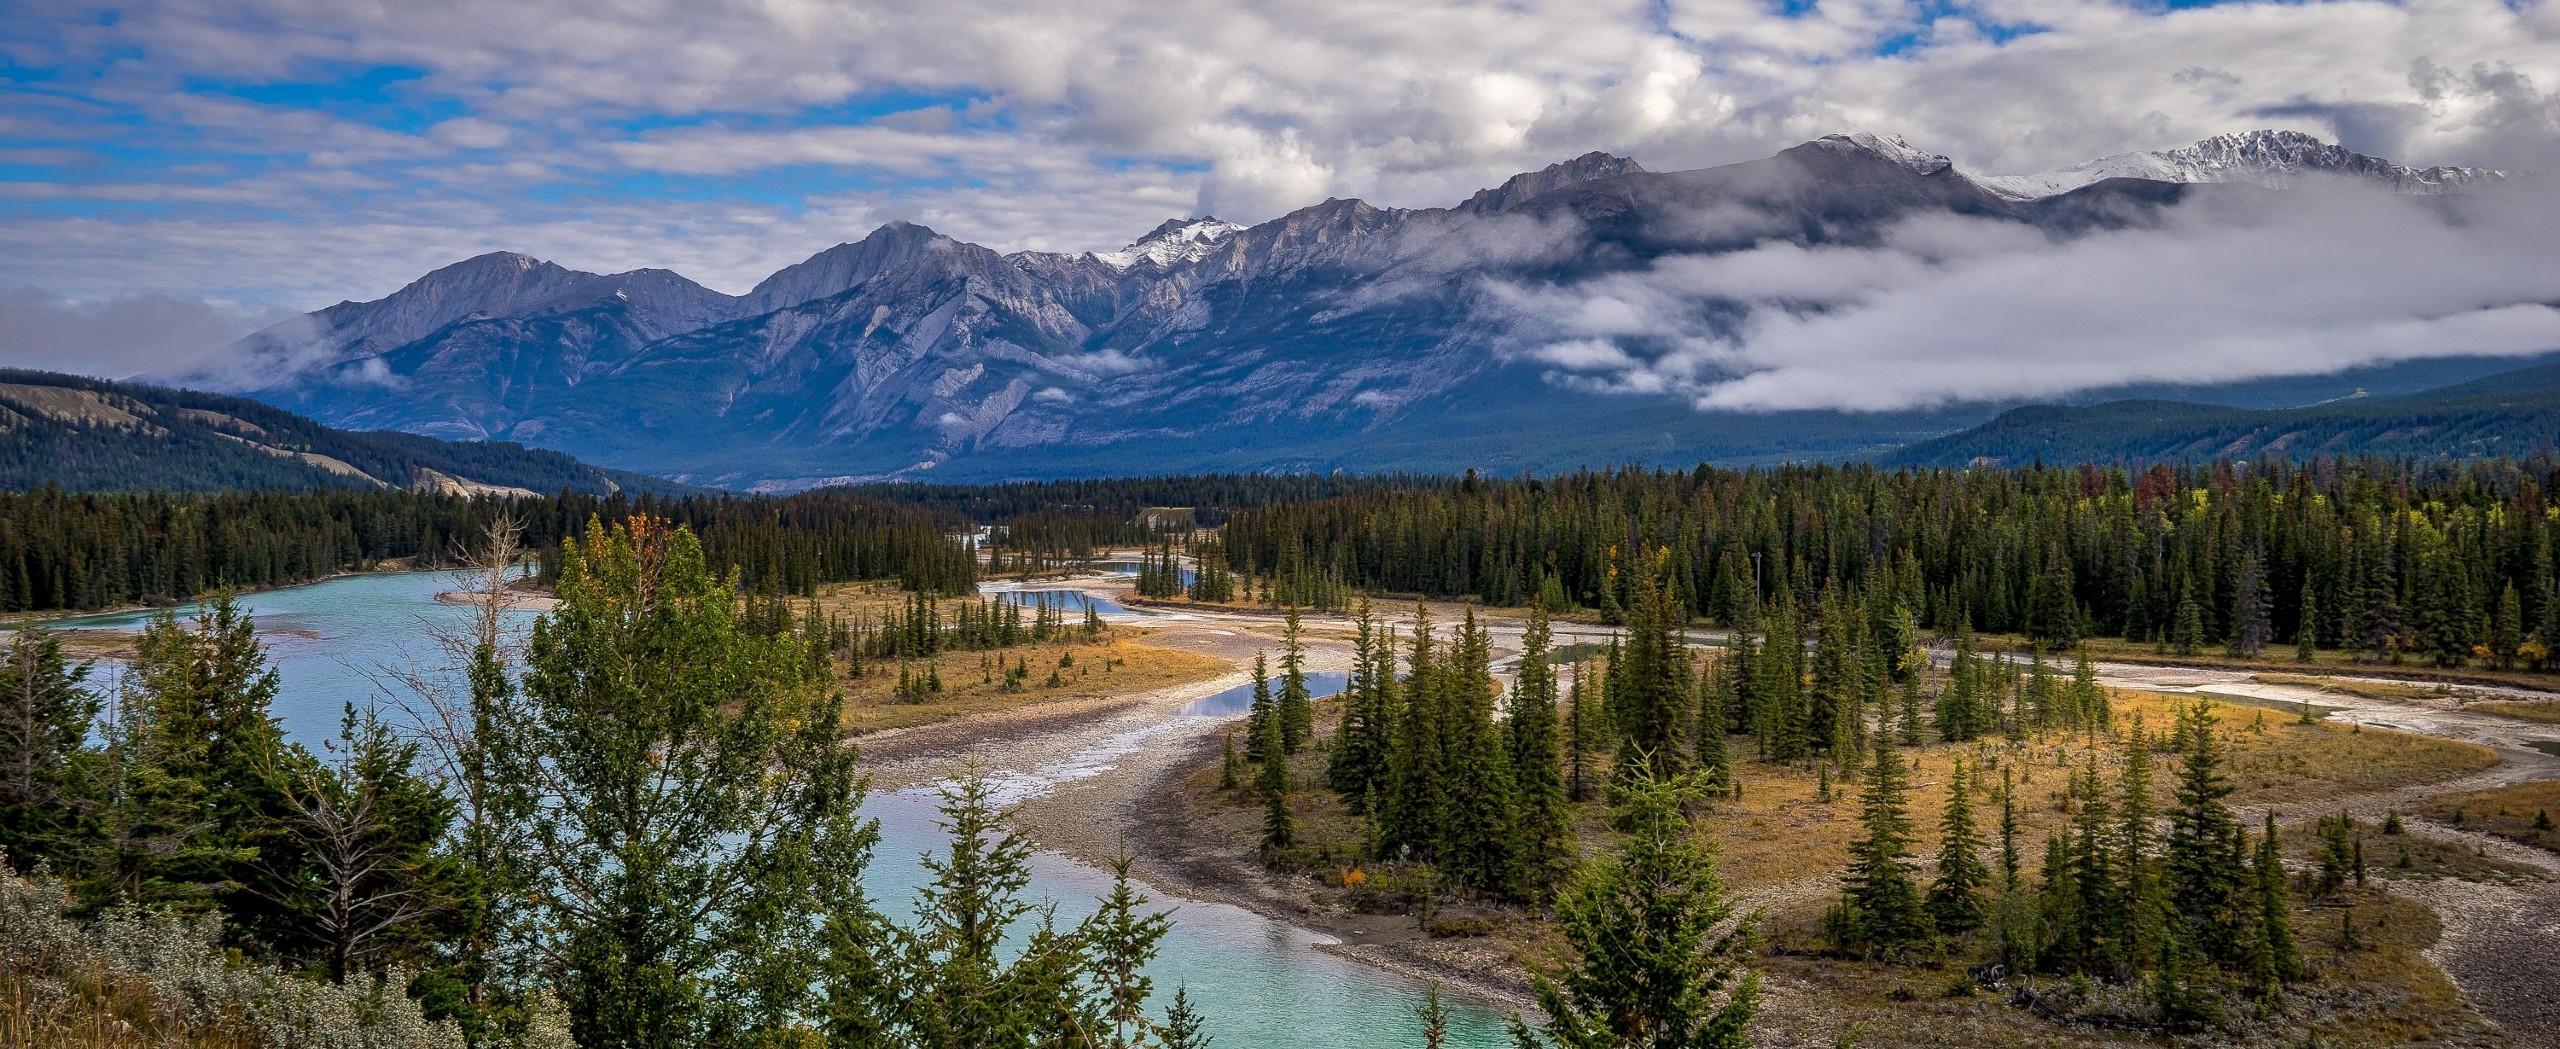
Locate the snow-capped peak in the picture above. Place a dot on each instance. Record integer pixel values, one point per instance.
(2267, 158)
(1891, 147)
(1178, 240)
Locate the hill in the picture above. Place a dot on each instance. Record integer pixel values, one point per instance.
(84, 434)
(2512, 413)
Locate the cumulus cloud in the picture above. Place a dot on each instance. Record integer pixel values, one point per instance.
(2229, 286)
(113, 338)
(728, 137)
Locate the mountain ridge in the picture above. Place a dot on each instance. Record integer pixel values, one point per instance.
(1342, 325)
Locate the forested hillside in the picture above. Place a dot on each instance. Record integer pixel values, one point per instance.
(62, 550)
(84, 434)
(2444, 563)
(2515, 413)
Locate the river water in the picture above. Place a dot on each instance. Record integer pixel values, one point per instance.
(1261, 984)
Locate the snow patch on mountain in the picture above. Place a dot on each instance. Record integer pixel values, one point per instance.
(1178, 240)
(2276, 159)
(1914, 159)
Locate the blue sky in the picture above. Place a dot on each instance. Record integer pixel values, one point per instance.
(223, 161)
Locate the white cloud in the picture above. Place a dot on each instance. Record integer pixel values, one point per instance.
(1077, 126)
(113, 338)
(2226, 287)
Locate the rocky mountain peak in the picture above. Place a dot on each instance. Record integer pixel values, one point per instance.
(1175, 240)
(1588, 167)
(838, 269)
(2274, 158)
(1893, 148)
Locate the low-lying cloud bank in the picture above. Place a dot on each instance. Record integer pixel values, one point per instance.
(2229, 286)
(113, 338)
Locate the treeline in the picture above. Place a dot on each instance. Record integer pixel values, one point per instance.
(640, 827)
(74, 551)
(1039, 524)
(2447, 564)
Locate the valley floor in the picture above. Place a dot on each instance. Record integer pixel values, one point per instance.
(2450, 956)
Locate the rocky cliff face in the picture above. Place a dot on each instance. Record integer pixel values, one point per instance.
(1339, 335)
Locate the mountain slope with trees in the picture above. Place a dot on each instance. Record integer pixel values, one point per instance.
(83, 435)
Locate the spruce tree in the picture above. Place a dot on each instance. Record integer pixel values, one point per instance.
(1656, 959)
(48, 769)
(1279, 828)
(2273, 959)
(1956, 898)
(1417, 793)
(2140, 909)
(1296, 706)
(209, 689)
(1650, 696)
(2203, 864)
(2251, 620)
(1478, 843)
(1183, 1024)
(1541, 820)
(1262, 718)
(1884, 905)
(2306, 637)
(678, 799)
(1582, 735)
(1359, 740)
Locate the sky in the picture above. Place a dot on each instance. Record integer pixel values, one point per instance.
(175, 173)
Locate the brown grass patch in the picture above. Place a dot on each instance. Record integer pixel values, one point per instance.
(2393, 691)
(2546, 711)
(1119, 663)
(2522, 812)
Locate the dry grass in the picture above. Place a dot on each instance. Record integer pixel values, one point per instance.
(1119, 663)
(2280, 660)
(2546, 711)
(2522, 812)
(2393, 691)
(1783, 848)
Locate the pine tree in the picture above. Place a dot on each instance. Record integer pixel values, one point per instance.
(1262, 718)
(1884, 905)
(1279, 828)
(1656, 959)
(1183, 1024)
(1361, 739)
(2140, 909)
(1541, 820)
(1478, 838)
(2306, 637)
(48, 769)
(1583, 722)
(1650, 696)
(2251, 623)
(1417, 792)
(1296, 706)
(1956, 901)
(2203, 863)
(2273, 959)
(209, 689)
(678, 798)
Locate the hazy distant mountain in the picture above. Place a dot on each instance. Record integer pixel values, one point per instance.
(85, 434)
(2515, 412)
(2275, 159)
(1341, 335)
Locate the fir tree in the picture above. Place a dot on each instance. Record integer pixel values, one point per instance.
(1262, 732)
(1479, 843)
(1656, 959)
(2273, 959)
(1541, 819)
(48, 769)
(1649, 696)
(678, 798)
(1296, 706)
(1956, 901)
(2203, 861)
(1885, 911)
(1279, 828)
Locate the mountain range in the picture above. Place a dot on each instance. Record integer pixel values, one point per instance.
(1339, 336)
(83, 434)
